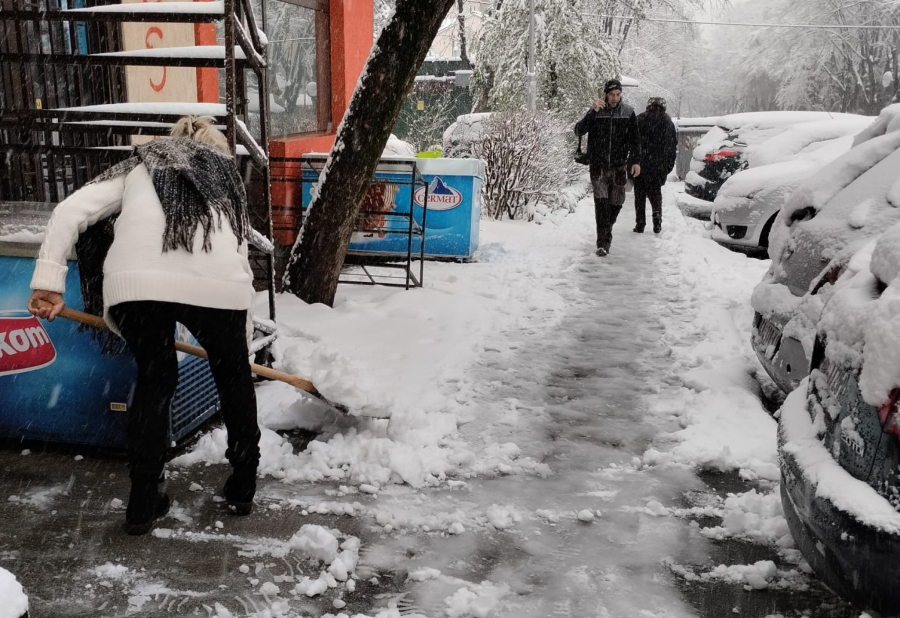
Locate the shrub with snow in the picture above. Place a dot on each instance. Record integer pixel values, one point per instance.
(528, 161)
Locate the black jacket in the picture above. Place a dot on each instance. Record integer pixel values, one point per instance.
(613, 138)
(658, 146)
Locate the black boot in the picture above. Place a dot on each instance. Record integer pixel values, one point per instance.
(145, 505)
(239, 490)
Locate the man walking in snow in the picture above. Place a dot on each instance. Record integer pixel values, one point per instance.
(614, 151)
(659, 144)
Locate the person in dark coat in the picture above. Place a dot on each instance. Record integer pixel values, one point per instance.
(658, 147)
(614, 151)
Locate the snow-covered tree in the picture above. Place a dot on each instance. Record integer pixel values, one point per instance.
(833, 69)
(382, 11)
(666, 58)
(573, 56)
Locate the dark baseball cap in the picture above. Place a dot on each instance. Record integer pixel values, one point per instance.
(612, 84)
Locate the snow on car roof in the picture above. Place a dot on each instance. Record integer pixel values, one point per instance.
(851, 199)
(466, 128)
(797, 138)
(770, 120)
(790, 171)
(763, 186)
(750, 130)
(704, 121)
(871, 146)
(888, 121)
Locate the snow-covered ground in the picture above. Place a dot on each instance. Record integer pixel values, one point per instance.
(569, 435)
(466, 367)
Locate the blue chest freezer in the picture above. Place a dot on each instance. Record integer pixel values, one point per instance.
(454, 208)
(55, 385)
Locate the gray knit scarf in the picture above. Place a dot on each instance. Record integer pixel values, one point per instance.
(196, 184)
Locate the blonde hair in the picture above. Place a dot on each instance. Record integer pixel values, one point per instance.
(201, 129)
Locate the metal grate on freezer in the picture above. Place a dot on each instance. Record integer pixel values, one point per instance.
(195, 400)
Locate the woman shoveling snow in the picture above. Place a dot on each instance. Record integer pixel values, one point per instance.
(177, 253)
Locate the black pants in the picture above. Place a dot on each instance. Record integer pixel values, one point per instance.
(149, 330)
(605, 215)
(642, 191)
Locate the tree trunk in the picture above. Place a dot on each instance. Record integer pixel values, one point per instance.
(480, 104)
(318, 255)
(461, 17)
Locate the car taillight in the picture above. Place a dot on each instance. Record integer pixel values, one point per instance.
(831, 276)
(712, 157)
(889, 413)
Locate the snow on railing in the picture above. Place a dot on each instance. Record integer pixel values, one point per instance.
(196, 8)
(214, 52)
(261, 242)
(173, 109)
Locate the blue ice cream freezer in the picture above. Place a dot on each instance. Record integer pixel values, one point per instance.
(55, 384)
(454, 208)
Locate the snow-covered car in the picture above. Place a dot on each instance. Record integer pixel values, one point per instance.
(459, 136)
(747, 204)
(825, 221)
(726, 148)
(839, 439)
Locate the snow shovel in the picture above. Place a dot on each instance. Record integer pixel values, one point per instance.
(195, 350)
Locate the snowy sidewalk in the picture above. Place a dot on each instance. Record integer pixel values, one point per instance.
(564, 431)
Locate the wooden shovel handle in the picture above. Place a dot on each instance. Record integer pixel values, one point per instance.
(194, 350)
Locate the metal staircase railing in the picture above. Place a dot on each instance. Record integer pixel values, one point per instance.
(59, 52)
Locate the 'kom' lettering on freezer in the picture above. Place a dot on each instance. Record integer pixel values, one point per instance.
(24, 345)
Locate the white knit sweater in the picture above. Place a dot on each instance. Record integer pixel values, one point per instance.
(136, 267)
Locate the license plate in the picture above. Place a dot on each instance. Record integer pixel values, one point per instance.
(768, 333)
(836, 378)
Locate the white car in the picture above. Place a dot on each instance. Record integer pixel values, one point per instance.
(746, 206)
(459, 136)
(835, 212)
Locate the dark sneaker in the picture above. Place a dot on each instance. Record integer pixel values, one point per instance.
(638, 229)
(657, 228)
(146, 504)
(239, 490)
(602, 252)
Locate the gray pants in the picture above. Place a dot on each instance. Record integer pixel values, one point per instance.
(609, 184)
(609, 195)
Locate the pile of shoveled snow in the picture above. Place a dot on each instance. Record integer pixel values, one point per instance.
(757, 576)
(408, 355)
(721, 423)
(13, 601)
